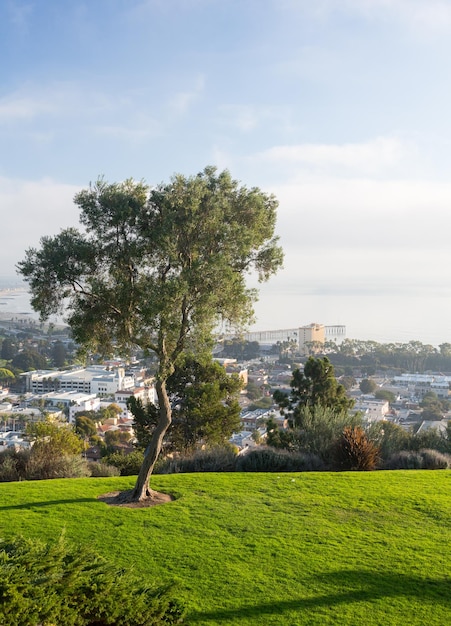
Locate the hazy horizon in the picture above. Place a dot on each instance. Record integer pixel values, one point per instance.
(364, 319)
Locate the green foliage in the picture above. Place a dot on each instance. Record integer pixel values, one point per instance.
(315, 431)
(5, 374)
(367, 386)
(127, 464)
(59, 354)
(314, 387)
(85, 426)
(217, 459)
(279, 549)
(385, 394)
(28, 360)
(9, 349)
(43, 465)
(348, 382)
(240, 349)
(421, 459)
(39, 464)
(431, 438)
(389, 438)
(116, 437)
(13, 464)
(354, 451)
(54, 583)
(266, 459)
(205, 407)
(53, 438)
(253, 391)
(103, 469)
(157, 268)
(265, 402)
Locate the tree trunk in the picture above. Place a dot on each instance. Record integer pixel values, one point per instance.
(142, 489)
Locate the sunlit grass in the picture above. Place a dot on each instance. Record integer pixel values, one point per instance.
(288, 549)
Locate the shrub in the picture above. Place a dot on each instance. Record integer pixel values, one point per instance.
(422, 459)
(55, 584)
(103, 470)
(128, 464)
(432, 459)
(8, 469)
(265, 459)
(354, 451)
(12, 464)
(220, 459)
(405, 459)
(43, 467)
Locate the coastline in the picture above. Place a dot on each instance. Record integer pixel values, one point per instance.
(15, 305)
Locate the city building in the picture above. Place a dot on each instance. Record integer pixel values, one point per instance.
(96, 379)
(301, 335)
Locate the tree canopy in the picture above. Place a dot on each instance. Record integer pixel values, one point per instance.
(156, 268)
(205, 406)
(314, 387)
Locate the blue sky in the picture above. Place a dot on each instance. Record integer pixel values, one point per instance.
(339, 107)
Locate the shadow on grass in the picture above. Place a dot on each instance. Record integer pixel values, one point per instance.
(36, 505)
(347, 587)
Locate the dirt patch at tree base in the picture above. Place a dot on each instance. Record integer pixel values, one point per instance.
(123, 499)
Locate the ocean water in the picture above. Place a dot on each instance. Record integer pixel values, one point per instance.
(381, 319)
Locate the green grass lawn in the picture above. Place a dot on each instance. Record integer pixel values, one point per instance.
(286, 549)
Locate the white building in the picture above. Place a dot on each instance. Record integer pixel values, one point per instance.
(96, 379)
(145, 394)
(299, 335)
(373, 410)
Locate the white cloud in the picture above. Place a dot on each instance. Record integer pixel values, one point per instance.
(366, 214)
(422, 15)
(63, 99)
(183, 100)
(31, 210)
(247, 117)
(371, 157)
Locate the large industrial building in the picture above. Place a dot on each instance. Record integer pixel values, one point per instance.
(302, 335)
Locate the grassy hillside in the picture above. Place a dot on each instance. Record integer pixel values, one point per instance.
(288, 549)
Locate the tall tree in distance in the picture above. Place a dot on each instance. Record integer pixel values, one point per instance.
(157, 269)
(314, 387)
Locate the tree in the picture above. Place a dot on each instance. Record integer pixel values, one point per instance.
(9, 349)
(348, 382)
(315, 386)
(59, 354)
(5, 374)
(367, 386)
(205, 407)
(385, 394)
(156, 269)
(85, 426)
(53, 439)
(28, 360)
(433, 407)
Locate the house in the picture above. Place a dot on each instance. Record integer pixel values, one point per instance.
(373, 410)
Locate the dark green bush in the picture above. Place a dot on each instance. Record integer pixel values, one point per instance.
(265, 459)
(128, 464)
(12, 464)
(56, 585)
